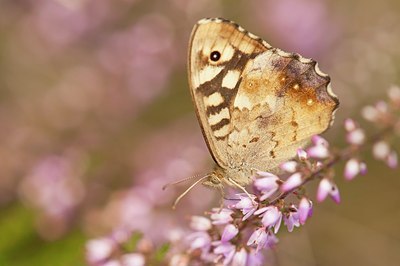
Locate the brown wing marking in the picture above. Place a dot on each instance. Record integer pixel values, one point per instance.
(221, 35)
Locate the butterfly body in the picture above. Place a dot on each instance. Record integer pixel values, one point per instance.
(256, 104)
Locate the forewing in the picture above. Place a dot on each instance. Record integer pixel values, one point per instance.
(214, 84)
(282, 101)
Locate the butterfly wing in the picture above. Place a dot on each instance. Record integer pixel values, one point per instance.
(282, 100)
(256, 104)
(214, 83)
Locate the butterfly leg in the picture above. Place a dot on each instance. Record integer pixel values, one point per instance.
(243, 189)
(221, 200)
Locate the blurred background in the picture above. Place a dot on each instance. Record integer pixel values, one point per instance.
(96, 116)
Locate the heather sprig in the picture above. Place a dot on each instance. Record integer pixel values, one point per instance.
(237, 233)
(252, 223)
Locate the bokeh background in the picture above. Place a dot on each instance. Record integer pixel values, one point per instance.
(96, 115)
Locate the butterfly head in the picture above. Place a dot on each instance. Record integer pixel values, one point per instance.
(214, 179)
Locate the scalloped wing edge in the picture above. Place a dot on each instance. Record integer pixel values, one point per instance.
(283, 54)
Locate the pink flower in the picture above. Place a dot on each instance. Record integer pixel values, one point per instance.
(374, 113)
(302, 154)
(370, 113)
(262, 239)
(133, 259)
(291, 219)
(226, 249)
(230, 232)
(98, 250)
(289, 166)
(335, 195)
(271, 217)
(268, 185)
(223, 246)
(319, 141)
(381, 150)
(180, 260)
(305, 210)
(111, 263)
(325, 188)
(200, 223)
(363, 168)
(382, 107)
(199, 240)
(356, 136)
(391, 159)
(221, 216)
(292, 182)
(349, 124)
(394, 94)
(320, 149)
(352, 169)
(240, 258)
(256, 259)
(246, 205)
(243, 258)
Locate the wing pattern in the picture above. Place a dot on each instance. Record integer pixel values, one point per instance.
(256, 104)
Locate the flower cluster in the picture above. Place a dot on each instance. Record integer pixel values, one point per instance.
(122, 247)
(237, 233)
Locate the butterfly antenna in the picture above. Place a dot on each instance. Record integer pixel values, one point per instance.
(187, 190)
(180, 181)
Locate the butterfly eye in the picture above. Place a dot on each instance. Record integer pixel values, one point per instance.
(215, 56)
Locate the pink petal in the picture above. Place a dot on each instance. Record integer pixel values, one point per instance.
(381, 106)
(219, 216)
(356, 137)
(381, 150)
(133, 259)
(271, 216)
(267, 194)
(292, 182)
(370, 113)
(111, 263)
(391, 160)
(261, 210)
(318, 140)
(99, 249)
(335, 195)
(278, 223)
(363, 168)
(199, 240)
(200, 223)
(318, 151)
(302, 154)
(255, 236)
(230, 232)
(349, 124)
(289, 166)
(352, 169)
(266, 183)
(324, 188)
(394, 93)
(245, 202)
(223, 248)
(266, 174)
(240, 258)
(289, 222)
(304, 210)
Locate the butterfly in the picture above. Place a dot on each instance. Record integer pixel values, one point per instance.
(256, 104)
